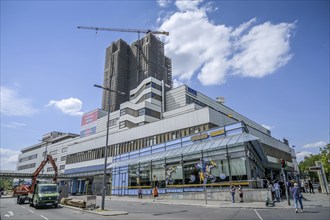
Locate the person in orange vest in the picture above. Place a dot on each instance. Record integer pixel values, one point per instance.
(155, 192)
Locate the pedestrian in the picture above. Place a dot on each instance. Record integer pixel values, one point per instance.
(240, 192)
(297, 197)
(306, 186)
(140, 193)
(232, 192)
(271, 189)
(155, 193)
(311, 188)
(277, 191)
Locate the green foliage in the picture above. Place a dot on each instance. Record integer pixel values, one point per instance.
(6, 183)
(323, 156)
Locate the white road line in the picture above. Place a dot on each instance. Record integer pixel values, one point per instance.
(258, 214)
(23, 207)
(43, 217)
(10, 213)
(30, 211)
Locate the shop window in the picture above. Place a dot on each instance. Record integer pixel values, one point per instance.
(173, 174)
(158, 174)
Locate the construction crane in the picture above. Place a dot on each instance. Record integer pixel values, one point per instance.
(139, 31)
(124, 30)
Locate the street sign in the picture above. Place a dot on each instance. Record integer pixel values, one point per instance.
(314, 168)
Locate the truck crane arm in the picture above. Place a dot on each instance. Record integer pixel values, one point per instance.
(124, 30)
(50, 159)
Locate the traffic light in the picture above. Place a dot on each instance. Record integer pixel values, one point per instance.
(282, 163)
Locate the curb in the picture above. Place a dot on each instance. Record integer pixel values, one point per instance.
(104, 213)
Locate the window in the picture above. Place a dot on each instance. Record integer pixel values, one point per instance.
(64, 149)
(122, 124)
(63, 158)
(49, 169)
(27, 166)
(122, 111)
(62, 167)
(53, 152)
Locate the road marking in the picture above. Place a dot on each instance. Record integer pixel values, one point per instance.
(43, 217)
(30, 211)
(10, 213)
(258, 214)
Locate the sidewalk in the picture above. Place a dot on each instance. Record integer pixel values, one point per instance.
(309, 201)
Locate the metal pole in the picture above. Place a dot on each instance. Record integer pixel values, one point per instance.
(286, 187)
(105, 158)
(228, 160)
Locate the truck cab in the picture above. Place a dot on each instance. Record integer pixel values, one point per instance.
(44, 195)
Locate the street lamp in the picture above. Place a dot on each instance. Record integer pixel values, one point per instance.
(106, 143)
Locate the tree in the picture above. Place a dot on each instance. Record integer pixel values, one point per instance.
(323, 156)
(6, 183)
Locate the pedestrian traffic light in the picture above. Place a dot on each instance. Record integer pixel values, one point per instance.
(282, 163)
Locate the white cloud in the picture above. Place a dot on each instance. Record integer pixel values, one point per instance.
(8, 159)
(70, 106)
(263, 50)
(268, 127)
(315, 145)
(301, 155)
(163, 3)
(176, 83)
(211, 51)
(14, 125)
(13, 105)
(187, 4)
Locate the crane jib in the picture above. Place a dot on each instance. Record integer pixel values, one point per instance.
(124, 30)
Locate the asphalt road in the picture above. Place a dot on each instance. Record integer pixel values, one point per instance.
(10, 210)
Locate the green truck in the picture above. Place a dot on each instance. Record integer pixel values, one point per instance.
(44, 195)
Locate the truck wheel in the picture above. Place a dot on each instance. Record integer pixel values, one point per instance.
(20, 200)
(56, 205)
(17, 201)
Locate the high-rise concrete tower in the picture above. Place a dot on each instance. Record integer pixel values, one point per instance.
(127, 66)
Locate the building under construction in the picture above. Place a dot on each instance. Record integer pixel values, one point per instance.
(126, 66)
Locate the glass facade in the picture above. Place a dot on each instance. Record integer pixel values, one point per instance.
(189, 164)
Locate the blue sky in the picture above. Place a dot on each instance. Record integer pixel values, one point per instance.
(269, 59)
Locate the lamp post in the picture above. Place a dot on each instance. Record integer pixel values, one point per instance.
(106, 144)
(45, 156)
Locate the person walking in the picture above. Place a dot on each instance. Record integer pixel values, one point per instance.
(297, 197)
(140, 193)
(277, 191)
(311, 188)
(240, 192)
(155, 193)
(232, 192)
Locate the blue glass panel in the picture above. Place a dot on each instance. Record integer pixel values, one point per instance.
(173, 146)
(157, 146)
(158, 150)
(233, 132)
(144, 153)
(173, 142)
(233, 126)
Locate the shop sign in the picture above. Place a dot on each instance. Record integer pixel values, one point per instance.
(199, 137)
(218, 132)
(314, 168)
